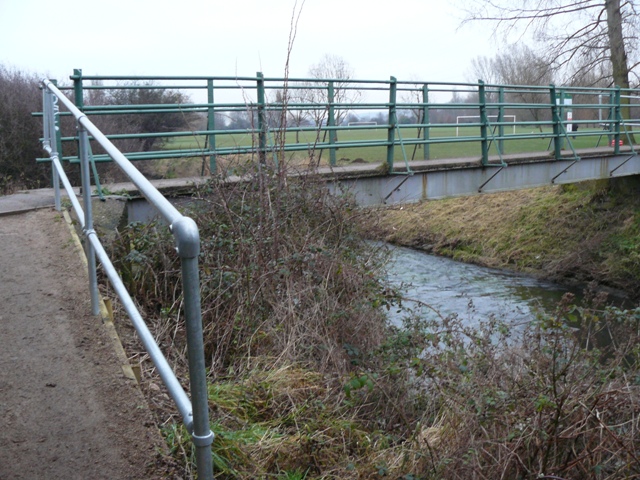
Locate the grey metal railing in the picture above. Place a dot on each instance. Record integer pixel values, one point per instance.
(195, 412)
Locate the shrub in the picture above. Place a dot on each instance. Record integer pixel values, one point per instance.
(559, 397)
(20, 95)
(283, 271)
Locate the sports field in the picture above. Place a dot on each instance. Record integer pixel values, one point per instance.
(452, 143)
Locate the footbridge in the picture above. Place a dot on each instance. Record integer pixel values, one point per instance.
(387, 141)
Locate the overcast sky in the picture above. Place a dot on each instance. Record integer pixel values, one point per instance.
(409, 39)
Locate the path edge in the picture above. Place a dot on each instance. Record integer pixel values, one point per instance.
(107, 321)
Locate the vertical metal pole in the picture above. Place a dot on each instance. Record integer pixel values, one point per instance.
(612, 115)
(78, 93)
(47, 123)
(501, 119)
(262, 123)
(555, 118)
(618, 118)
(88, 218)
(188, 240)
(47, 110)
(331, 122)
(391, 132)
(484, 142)
(211, 125)
(56, 123)
(561, 110)
(426, 130)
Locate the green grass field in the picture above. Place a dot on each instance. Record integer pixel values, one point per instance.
(454, 147)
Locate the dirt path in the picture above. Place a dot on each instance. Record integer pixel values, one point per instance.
(66, 409)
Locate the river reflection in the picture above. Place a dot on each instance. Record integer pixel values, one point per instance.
(472, 292)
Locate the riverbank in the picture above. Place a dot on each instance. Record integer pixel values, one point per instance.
(573, 234)
(308, 380)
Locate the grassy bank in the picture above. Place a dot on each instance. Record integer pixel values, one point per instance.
(572, 233)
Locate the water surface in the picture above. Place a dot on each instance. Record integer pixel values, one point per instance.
(472, 292)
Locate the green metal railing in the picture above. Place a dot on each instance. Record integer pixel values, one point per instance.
(305, 117)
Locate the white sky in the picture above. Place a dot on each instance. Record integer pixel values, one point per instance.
(409, 39)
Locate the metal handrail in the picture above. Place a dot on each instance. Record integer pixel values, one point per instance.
(195, 413)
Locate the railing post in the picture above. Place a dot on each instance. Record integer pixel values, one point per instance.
(331, 122)
(612, 115)
(211, 125)
(561, 111)
(391, 132)
(618, 118)
(484, 120)
(262, 123)
(187, 238)
(426, 130)
(48, 135)
(88, 218)
(78, 93)
(57, 134)
(501, 120)
(555, 118)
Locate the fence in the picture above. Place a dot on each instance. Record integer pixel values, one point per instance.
(307, 117)
(195, 415)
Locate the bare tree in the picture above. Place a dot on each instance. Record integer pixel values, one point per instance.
(298, 114)
(337, 69)
(602, 31)
(150, 93)
(519, 65)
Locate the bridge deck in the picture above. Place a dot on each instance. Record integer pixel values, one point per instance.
(67, 409)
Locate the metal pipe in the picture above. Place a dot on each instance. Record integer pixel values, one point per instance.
(188, 240)
(55, 160)
(176, 391)
(88, 219)
(47, 124)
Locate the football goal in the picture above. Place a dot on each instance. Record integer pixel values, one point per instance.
(358, 124)
(462, 119)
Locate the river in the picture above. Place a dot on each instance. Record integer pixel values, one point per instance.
(472, 292)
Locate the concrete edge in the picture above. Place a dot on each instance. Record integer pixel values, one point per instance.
(105, 316)
(6, 213)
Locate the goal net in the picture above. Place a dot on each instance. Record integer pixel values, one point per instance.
(461, 120)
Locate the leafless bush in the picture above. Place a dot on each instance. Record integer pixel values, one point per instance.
(20, 95)
(558, 398)
(284, 274)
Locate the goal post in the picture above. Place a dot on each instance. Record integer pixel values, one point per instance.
(359, 124)
(467, 117)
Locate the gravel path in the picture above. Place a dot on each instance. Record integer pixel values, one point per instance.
(66, 409)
